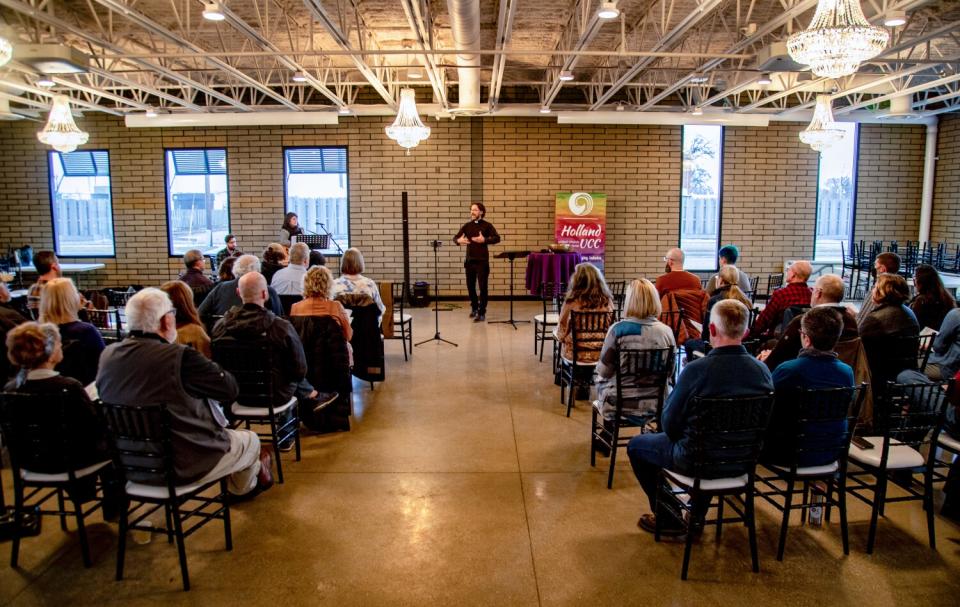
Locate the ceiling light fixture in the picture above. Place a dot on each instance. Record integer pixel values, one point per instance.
(299, 77)
(838, 40)
(150, 113)
(408, 130)
(6, 49)
(212, 11)
(45, 82)
(608, 10)
(415, 73)
(620, 107)
(344, 110)
(544, 109)
(698, 79)
(764, 79)
(895, 19)
(697, 111)
(823, 131)
(566, 76)
(61, 132)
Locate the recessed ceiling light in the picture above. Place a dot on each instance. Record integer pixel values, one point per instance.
(213, 12)
(764, 79)
(299, 77)
(697, 111)
(895, 19)
(608, 10)
(566, 75)
(45, 82)
(344, 109)
(545, 109)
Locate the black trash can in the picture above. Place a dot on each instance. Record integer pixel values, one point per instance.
(421, 294)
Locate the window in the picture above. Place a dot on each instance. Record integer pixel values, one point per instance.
(198, 205)
(836, 195)
(315, 183)
(700, 197)
(81, 205)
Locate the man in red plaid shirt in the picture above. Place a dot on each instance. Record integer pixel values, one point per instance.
(795, 293)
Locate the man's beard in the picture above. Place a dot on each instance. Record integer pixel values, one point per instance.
(666, 269)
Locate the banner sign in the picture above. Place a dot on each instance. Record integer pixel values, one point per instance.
(581, 222)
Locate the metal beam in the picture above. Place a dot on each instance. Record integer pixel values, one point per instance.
(147, 89)
(504, 34)
(48, 93)
(421, 22)
(907, 91)
(589, 25)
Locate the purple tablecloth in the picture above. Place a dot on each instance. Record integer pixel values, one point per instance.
(550, 267)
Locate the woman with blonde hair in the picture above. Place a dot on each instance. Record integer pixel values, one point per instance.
(727, 288)
(317, 285)
(588, 292)
(640, 329)
(190, 331)
(352, 280)
(82, 342)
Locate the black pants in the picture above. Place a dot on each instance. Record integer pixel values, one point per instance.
(478, 271)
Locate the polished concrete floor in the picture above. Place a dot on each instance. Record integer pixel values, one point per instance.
(463, 483)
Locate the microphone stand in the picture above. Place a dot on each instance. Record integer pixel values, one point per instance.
(436, 244)
(334, 241)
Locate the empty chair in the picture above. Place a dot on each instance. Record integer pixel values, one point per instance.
(402, 321)
(287, 301)
(551, 294)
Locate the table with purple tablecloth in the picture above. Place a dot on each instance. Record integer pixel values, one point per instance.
(550, 267)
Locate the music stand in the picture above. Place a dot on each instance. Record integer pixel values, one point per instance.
(436, 244)
(511, 255)
(316, 242)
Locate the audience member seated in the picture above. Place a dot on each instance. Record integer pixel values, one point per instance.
(36, 349)
(944, 359)
(676, 278)
(727, 288)
(225, 294)
(194, 276)
(252, 322)
(827, 293)
(640, 329)
(317, 258)
(352, 280)
(289, 280)
(274, 260)
(190, 331)
(817, 367)
(225, 269)
(885, 263)
(794, 293)
(82, 342)
(229, 251)
(932, 302)
(48, 268)
(588, 292)
(728, 256)
(888, 318)
(317, 286)
(138, 371)
(9, 318)
(727, 371)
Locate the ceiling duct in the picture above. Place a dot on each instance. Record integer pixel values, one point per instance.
(901, 108)
(775, 58)
(465, 28)
(6, 113)
(53, 58)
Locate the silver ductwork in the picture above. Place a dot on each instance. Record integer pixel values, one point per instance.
(465, 28)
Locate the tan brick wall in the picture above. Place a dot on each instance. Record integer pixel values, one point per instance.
(945, 223)
(518, 165)
(889, 182)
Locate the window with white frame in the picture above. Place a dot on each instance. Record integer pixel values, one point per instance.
(316, 188)
(701, 197)
(81, 204)
(198, 202)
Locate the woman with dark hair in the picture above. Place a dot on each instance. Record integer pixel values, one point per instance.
(274, 260)
(588, 292)
(932, 302)
(225, 269)
(289, 229)
(884, 329)
(190, 331)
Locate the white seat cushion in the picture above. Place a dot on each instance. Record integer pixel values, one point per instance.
(711, 484)
(900, 456)
(579, 363)
(949, 442)
(551, 318)
(401, 318)
(155, 492)
(40, 477)
(811, 470)
(242, 411)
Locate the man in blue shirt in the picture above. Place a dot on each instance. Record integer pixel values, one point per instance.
(728, 370)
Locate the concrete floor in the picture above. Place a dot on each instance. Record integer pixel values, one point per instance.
(463, 483)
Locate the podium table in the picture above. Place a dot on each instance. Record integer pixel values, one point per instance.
(511, 255)
(550, 267)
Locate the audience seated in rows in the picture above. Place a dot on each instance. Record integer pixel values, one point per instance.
(230, 250)
(193, 275)
(932, 302)
(727, 371)
(675, 277)
(190, 331)
(727, 288)
(816, 367)
(727, 256)
(138, 370)
(82, 342)
(588, 292)
(944, 361)
(9, 318)
(36, 349)
(289, 280)
(794, 293)
(48, 268)
(352, 281)
(827, 292)
(273, 260)
(225, 294)
(885, 263)
(640, 329)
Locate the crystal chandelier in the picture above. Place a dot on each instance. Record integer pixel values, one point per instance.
(6, 50)
(407, 129)
(822, 132)
(838, 40)
(61, 132)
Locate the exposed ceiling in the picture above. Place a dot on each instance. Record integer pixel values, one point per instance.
(659, 55)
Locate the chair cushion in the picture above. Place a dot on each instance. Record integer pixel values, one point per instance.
(947, 441)
(711, 484)
(551, 318)
(401, 318)
(242, 411)
(156, 492)
(810, 470)
(900, 456)
(40, 477)
(579, 363)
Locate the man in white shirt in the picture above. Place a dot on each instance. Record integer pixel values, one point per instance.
(289, 280)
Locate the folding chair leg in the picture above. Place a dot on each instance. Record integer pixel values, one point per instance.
(181, 546)
(571, 395)
(593, 439)
(227, 531)
(82, 532)
(613, 451)
(688, 545)
(879, 495)
(842, 507)
(276, 449)
(166, 512)
(752, 530)
(122, 543)
(928, 506)
(785, 523)
(719, 517)
(61, 506)
(17, 524)
(296, 430)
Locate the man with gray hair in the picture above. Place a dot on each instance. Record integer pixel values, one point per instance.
(794, 293)
(289, 280)
(727, 371)
(225, 295)
(148, 367)
(193, 276)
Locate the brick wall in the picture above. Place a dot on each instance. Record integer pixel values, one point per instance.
(945, 223)
(515, 165)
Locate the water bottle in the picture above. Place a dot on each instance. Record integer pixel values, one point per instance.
(818, 496)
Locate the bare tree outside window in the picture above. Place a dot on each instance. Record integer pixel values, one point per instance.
(701, 195)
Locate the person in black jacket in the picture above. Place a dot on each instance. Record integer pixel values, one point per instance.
(477, 234)
(224, 295)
